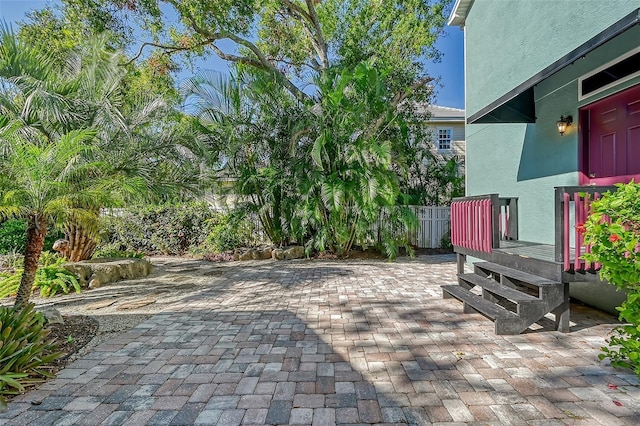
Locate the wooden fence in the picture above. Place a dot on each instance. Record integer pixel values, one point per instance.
(433, 225)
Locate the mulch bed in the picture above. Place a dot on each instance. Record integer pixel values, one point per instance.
(73, 335)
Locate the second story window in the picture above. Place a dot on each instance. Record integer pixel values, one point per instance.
(444, 139)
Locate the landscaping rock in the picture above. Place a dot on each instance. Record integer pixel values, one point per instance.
(95, 273)
(136, 304)
(101, 305)
(295, 252)
(252, 254)
(277, 254)
(53, 316)
(247, 255)
(263, 253)
(100, 278)
(268, 252)
(80, 270)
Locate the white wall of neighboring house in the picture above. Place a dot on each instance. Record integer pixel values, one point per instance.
(222, 199)
(451, 119)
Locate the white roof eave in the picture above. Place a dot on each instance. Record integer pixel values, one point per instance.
(459, 13)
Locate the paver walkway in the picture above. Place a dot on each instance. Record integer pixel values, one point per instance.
(322, 343)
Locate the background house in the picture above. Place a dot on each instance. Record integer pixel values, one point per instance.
(448, 131)
(530, 65)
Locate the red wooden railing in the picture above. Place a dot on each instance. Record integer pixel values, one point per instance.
(573, 206)
(474, 222)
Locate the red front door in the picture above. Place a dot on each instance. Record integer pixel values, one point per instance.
(611, 144)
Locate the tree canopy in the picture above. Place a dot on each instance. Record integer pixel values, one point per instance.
(293, 40)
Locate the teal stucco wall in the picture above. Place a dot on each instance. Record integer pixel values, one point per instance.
(506, 43)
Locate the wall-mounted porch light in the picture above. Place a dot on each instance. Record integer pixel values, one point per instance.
(563, 123)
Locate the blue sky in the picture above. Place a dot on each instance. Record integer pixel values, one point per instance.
(450, 70)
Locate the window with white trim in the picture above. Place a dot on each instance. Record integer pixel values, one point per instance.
(444, 139)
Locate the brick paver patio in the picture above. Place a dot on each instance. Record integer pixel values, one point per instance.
(322, 343)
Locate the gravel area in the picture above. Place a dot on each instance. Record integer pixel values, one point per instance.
(120, 306)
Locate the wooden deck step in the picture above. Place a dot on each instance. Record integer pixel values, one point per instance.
(496, 288)
(485, 307)
(515, 274)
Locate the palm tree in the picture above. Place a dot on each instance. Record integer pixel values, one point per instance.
(51, 97)
(43, 182)
(320, 173)
(351, 183)
(250, 123)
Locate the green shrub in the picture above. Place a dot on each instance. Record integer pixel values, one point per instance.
(228, 232)
(24, 349)
(54, 279)
(51, 279)
(616, 246)
(9, 283)
(13, 236)
(168, 229)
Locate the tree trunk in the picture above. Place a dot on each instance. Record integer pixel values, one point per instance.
(277, 219)
(36, 231)
(82, 245)
(82, 236)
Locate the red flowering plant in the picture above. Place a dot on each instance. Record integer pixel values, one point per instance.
(613, 230)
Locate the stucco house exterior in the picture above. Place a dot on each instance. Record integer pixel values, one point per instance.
(552, 120)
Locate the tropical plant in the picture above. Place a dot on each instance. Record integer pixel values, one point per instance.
(613, 230)
(9, 283)
(357, 157)
(51, 280)
(42, 182)
(24, 349)
(55, 279)
(139, 141)
(250, 123)
(322, 173)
